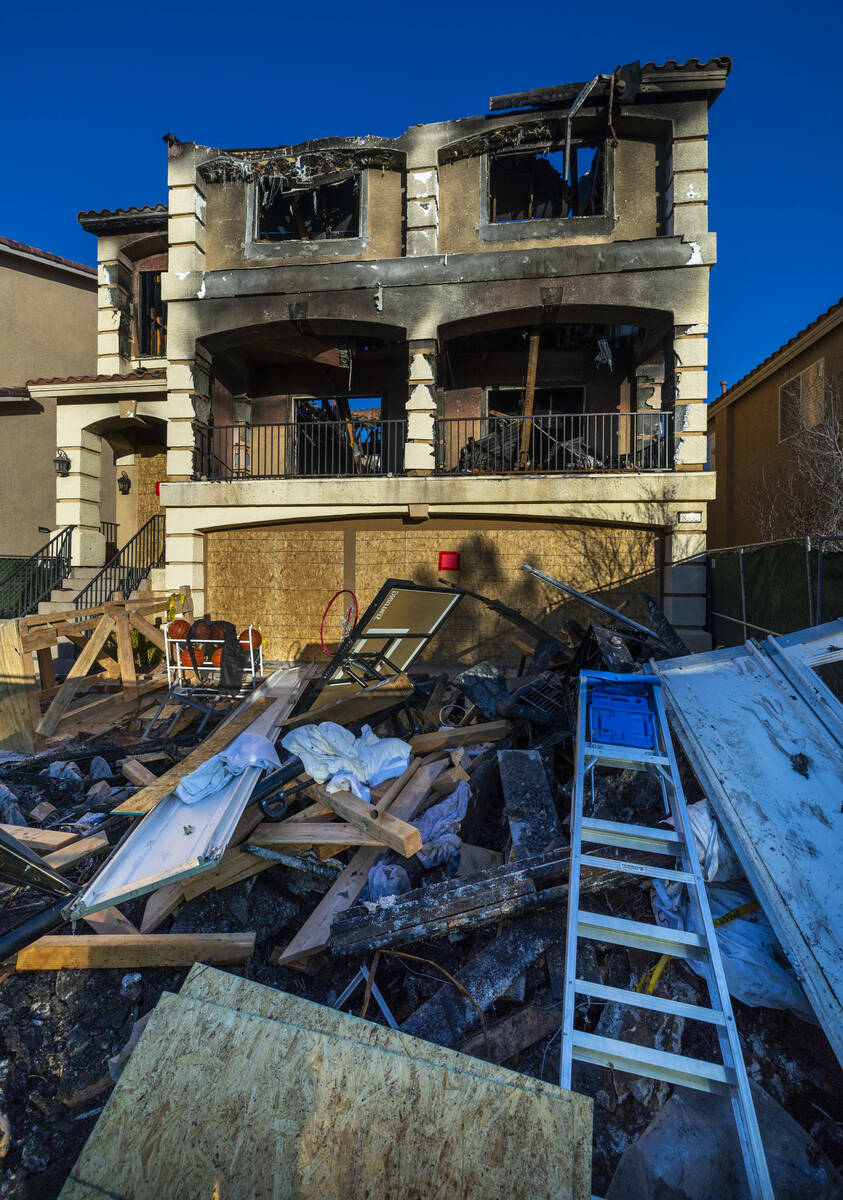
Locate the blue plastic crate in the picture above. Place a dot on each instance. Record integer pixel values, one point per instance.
(618, 719)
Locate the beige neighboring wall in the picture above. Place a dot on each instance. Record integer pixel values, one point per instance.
(48, 329)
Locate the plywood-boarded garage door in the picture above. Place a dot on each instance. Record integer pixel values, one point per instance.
(283, 576)
(280, 577)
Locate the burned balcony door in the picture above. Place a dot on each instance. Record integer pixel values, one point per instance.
(533, 187)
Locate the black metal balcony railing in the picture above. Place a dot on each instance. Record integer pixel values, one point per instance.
(301, 448)
(109, 531)
(24, 583)
(129, 567)
(575, 442)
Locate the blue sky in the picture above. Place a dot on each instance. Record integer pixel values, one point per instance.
(88, 92)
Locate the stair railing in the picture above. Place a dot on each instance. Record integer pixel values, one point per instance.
(34, 578)
(129, 567)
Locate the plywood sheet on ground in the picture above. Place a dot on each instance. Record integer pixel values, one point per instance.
(216, 1102)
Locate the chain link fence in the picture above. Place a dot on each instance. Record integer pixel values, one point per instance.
(776, 587)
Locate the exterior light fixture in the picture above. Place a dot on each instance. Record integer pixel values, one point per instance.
(62, 464)
(124, 484)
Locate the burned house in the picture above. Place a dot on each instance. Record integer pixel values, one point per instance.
(352, 358)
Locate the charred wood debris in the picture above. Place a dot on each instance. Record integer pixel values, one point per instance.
(468, 954)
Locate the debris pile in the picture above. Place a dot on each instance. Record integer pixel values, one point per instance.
(397, 845)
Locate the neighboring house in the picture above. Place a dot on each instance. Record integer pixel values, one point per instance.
(526, 336)
(752, 426)
(48, 326)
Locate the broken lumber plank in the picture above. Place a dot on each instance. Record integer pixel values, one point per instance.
(145, 800)
(160, 905)
(110, 920)
(443, 739)
(75, 675)
(454, 906)
(313, 833)
(136, 772)
(65, 857)
(448, 1014)
(361, 704)
(448, 781)
(101, 951)
(514, 1034)
(389, 829)
(528, 804)
(125, 654)
(397, 785)
(315, 934)
(40, 840)
(102, 714)
(149, 631)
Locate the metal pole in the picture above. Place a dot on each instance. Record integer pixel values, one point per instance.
(820, 572)
(743, 595)
(811, 619)
(610, 612)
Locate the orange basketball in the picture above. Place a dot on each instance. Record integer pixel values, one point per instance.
(178, 629)
(217, 632)
(216, 657)
(202, 630)
(186, 660)
(248, 638)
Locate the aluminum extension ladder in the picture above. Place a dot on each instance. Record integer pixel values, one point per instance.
(621, 722)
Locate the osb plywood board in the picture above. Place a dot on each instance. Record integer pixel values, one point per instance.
(220, 1103)
(293, 570)
(286, 575)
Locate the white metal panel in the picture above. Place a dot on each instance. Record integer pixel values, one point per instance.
(772, 768)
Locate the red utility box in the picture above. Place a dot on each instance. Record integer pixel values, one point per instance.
(449, 560)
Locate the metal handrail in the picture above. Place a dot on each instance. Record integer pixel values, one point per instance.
(555, 443)
(36, 577)
(302, 448)
(129, 566)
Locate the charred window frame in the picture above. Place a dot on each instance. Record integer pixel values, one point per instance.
(152, 316)
(801, 400)
(526, 196)
(341, 243)
(326, 212)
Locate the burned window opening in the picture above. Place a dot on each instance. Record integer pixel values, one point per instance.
(329, 211)
(555, 401)
(532, 187)
(152, 315)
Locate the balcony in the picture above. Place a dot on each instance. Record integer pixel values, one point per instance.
(583, 443)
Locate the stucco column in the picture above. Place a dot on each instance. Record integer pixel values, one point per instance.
(78, 493)
(114, 339)
(419, 449)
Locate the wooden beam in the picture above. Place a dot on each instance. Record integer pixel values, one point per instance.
(529, 399)
(149, 631)
(397, 786)
(18, 717)
(110, 920)
(101, 714)
(515, 1033)
(443, 739)
(315, 934)
(312, 833)
(144, 801)
(46, 670)
(102, 951)
(59, 860)
(362, 704)
(75, 675)
(387, 828)
(39, 840)
(125, 654)
(136, 772)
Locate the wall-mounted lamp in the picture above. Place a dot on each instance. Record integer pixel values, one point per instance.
(62, 464)
(124, 484)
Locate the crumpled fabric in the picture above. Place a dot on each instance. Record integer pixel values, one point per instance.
(717, 858)
(386, 879)
(438, 827)
(247, 750)
(754, 964)
(334, 756)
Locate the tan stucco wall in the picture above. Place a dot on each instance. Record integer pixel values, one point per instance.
(282, 577)
(49, 322)
(226, 225)
(463, 205)
(48, 328)
(746, 442)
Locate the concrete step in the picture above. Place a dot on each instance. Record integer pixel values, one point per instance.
(86, 574)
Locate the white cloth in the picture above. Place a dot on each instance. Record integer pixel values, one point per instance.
(332, 755)
(247, 750)
(438, 827)
(717, 858)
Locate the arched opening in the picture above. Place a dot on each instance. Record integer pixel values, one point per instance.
(133, 460)
(306, 398)
(558, 388)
